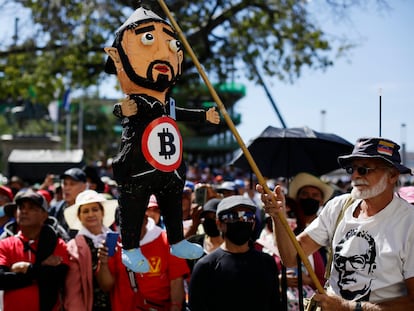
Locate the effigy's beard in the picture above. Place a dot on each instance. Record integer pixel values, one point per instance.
(143, 85)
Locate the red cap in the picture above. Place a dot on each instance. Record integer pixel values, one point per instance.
(7, 191)
(46, 194)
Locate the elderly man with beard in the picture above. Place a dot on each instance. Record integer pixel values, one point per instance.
(373, 242)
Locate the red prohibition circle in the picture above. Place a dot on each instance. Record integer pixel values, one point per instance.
(162, 144)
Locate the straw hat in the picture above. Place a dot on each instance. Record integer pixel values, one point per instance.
(305, 179)
(86, 197)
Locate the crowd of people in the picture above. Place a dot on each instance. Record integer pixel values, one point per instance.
(54, 251)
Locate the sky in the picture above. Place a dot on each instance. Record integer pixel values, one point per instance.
(349, 92)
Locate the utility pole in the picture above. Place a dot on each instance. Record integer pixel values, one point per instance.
(323, 113)
(16, 32)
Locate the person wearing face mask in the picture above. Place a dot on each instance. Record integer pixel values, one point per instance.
(310, 194)
(235, 276)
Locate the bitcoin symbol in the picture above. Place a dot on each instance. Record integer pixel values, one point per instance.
(166, 144)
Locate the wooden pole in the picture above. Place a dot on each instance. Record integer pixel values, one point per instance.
(242, 145)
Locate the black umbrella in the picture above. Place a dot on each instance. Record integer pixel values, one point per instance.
(284, 152)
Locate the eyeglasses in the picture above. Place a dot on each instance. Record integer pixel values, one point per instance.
(357, 262)
(232, 217)
(362, 170)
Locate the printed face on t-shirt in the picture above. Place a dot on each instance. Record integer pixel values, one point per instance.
(354, 259)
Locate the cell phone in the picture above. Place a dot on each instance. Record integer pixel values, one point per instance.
(110, 242)
(201, 195)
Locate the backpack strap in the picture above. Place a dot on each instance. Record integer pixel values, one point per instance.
(347, 204)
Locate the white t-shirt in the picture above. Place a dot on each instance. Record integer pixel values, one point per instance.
(373, 256)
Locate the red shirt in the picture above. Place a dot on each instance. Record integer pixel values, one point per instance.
(12, 251)
(155, 284)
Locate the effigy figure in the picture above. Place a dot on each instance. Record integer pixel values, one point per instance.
(147, 59)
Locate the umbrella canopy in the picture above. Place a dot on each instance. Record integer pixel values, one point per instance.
(284, 152)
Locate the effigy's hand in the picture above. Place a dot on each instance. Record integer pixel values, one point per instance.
(212, 116)
(273, 202)
(128, 107)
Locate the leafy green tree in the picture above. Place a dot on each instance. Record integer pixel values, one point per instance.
(65, 44)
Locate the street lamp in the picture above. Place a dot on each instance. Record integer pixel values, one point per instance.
(323, 113)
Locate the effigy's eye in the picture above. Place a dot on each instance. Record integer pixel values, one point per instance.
(147, 38)
(175, 45)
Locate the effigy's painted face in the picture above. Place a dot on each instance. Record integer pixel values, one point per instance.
(154, 54)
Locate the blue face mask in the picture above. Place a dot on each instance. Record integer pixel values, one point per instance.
(2, 212)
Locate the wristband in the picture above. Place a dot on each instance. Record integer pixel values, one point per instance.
(358, 306)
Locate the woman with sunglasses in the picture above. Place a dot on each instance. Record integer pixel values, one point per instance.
(370, 232)
(235, 276)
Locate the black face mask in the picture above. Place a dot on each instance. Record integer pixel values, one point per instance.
(309, 206)
(210, 227)
(239, 232)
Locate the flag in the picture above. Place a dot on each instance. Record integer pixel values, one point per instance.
(66, 100)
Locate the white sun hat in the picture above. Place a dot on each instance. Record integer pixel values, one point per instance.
(86, 197)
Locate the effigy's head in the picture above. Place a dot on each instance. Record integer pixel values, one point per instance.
(145, 54)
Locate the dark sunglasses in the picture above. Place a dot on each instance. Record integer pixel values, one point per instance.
(243, 216)
(362, 170)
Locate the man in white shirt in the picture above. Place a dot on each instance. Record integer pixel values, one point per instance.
(373, 244)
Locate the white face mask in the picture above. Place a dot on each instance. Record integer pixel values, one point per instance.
(2, 212)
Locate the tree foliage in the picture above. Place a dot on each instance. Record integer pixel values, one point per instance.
(64, 44)
(59, 44)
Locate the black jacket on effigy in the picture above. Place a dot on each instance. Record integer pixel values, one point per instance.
(137, 179)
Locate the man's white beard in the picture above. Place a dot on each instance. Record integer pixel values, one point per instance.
(370, 192)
